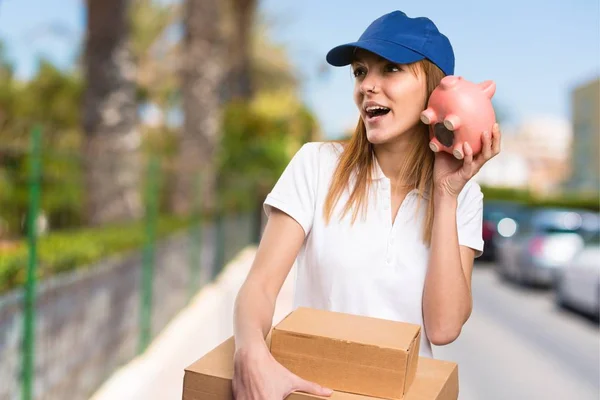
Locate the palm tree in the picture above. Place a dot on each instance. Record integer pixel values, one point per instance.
(241, 15)
(111, 156)
(202, 78)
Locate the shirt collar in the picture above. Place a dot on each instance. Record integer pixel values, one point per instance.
(378, 175)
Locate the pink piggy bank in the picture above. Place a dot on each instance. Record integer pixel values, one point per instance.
(459, 111)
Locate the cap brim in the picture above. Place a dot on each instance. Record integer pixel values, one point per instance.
(344, 55)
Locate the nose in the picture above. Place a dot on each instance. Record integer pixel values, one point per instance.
(370, 83)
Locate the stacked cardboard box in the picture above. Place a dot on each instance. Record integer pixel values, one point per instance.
(360, 358)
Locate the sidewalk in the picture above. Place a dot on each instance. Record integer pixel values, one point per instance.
(197, 329)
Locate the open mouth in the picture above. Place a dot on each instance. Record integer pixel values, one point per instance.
(375, 112)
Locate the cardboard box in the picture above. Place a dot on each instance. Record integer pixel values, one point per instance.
(209, 378)
(348, 353)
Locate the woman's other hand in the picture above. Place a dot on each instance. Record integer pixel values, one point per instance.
(258, 376)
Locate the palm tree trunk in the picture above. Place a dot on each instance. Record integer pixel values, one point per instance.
(240, 76)
(203, 74)
(111, 156)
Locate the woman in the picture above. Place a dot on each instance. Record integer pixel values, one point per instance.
(380, 226)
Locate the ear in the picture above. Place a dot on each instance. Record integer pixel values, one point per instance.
(488, 88)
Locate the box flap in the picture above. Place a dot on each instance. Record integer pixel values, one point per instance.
(342, 326)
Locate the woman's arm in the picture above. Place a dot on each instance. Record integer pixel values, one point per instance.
(447, 301)
(255, 302)
(257, 375)
(290, 202)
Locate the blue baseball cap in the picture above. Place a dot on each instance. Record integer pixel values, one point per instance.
(399, 39)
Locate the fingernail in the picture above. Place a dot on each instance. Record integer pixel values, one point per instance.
(486, 134)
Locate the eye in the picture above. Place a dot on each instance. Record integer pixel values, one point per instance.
(359, 71)
(392, 68)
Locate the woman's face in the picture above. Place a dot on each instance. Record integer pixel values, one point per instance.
(390, 97)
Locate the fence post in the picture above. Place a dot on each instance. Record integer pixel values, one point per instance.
(196, 239)
(220, 243)
(151, 216)
(30, 285)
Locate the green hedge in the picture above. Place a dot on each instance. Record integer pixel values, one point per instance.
(69, 250)
(589, 201)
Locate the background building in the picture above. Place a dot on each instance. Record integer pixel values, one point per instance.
(585, 149)
(534, 156)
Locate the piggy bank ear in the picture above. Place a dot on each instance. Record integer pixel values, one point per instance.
(488, 88)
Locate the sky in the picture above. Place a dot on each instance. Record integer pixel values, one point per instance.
(536, 51)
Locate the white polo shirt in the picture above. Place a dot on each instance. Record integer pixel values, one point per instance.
(375, 268)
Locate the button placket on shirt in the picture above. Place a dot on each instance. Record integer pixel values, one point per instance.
(390, 254)
(385, 186)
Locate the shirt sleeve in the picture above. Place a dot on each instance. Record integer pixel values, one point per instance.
(469, 218)
(295, 191)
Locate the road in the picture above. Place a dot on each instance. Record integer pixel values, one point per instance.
(519, 345)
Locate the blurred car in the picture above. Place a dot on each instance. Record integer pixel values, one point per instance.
(578, 285)
(494, 212)
(543, 242)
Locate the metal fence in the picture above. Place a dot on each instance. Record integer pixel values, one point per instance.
(61, 338)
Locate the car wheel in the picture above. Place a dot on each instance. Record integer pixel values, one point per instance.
(519, 277)
(597, 310)
(560, 297)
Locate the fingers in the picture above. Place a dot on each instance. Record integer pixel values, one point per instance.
(469, 166)
(490, 146)
(303, 385)
(486, 149)
(468, 151)
(496, 135)
(490, 143)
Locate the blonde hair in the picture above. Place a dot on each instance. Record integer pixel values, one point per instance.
(358, 158)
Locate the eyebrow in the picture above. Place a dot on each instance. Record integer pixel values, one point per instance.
(362, 60)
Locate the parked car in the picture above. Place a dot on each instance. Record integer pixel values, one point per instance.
(494, 212)
(544, 241)
(578, 285)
